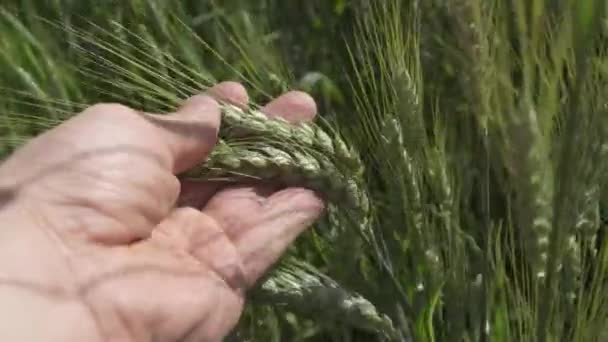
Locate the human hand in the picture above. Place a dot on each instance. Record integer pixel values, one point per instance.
(93, 246)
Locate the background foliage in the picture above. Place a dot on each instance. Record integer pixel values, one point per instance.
(482, 126)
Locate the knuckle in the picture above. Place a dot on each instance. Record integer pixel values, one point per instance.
(204, 130)
(234, 276)
(233, 84)
(211, 120)
(187, 214)
(109, 110)
(209, 123)
(213, 131)
(173, 186)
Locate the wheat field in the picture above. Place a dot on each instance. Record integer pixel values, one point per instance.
(461, 148)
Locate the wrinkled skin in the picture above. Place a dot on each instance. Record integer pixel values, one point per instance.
(100, 241)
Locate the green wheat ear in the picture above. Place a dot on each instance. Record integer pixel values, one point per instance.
(298, 287)
(253, 145)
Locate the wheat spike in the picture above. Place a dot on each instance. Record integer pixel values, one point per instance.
(300, 288)
(588, 221)
(294, 168)
(392, 135)
(238, 122)
(526, 156)
(295, 155)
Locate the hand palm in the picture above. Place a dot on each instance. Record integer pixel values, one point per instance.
(142, 267)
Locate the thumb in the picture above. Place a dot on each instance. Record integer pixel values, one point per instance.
(190, 132)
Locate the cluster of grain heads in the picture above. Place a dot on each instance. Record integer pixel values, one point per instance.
(256, 146)
(298, 287)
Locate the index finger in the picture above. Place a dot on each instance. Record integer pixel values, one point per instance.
(191, 132)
